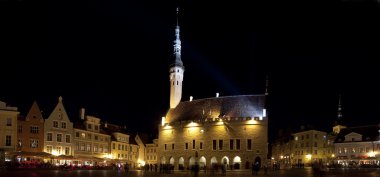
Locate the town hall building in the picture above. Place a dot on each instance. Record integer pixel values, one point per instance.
(231, 131)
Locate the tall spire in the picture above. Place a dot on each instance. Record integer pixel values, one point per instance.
(339, 115)
(176, 70)
(177, 44)
(339, 119)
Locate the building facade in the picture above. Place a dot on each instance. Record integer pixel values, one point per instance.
(151, 152)
(311, 146)
(30, 131)
(229, 131)
(358, 146)
(58, 136)
(90, 141)
(8, 131)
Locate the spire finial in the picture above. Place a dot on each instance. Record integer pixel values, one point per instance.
(266, 85)
(177, 15)
(177, 44)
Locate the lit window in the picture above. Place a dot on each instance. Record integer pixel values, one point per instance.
(34, 143)
(49, 149)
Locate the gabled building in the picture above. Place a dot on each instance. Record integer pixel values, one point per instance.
(58, 138)
(355, 146)
(30, 131)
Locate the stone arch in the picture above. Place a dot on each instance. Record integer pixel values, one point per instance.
(236, 162)
(192, 161)
(213, 161)
(258, 161)
(202, 162)
(181, 163)
(171, 161)
(225, 160)
(163, 160)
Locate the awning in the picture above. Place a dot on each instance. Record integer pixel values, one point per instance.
(30, 154)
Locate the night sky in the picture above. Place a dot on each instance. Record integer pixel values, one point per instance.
(112, 57)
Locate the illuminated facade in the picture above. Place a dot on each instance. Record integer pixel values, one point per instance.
(30, 131)
(231, 131)
(151, 152)
(8, 130)
(176, 71)
(304, 148)
(355, 146)
(58, 138)
(124, 149)
(311, 146)
(91, 143)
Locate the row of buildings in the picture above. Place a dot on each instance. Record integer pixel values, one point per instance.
(345, 146)
(58, 140)
(229, 131)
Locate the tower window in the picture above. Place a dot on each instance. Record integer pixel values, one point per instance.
(173, 82)
(177, 82)
(178, 71)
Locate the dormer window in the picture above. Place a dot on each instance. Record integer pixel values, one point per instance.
(353, 139)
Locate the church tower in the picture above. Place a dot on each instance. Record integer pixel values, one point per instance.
(176, 71)
(339, 122)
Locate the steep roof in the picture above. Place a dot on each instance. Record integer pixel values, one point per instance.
(228, 106)
(369, 133)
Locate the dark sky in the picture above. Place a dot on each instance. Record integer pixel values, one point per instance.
(112, 57)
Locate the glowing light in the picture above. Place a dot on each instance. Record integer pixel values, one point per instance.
(167, 126)
(372, 154)
(281, 157)
(260, 118)
(252, 122)
(163, 121)
(141, 162)
(109, 156)
(308, 156)
(272, 158)
(264, 112)
(332, 155)
(192, 124)
(202, 131)
(220, 122)
(54, 152)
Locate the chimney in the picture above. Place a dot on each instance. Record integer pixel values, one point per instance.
(191, 98)
(82, 113)
(217, 95)
(105, 124)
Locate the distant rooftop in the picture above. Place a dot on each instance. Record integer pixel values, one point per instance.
(3, 106)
